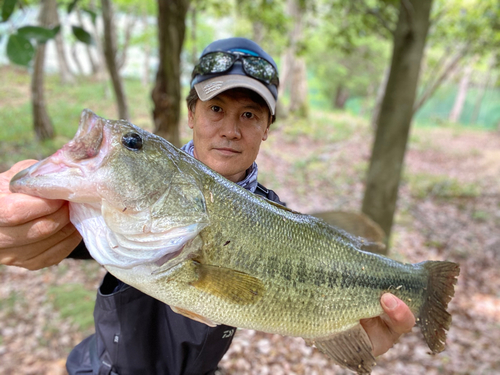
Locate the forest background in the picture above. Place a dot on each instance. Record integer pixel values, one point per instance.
(335, 63)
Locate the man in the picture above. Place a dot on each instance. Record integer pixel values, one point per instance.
(230, 109)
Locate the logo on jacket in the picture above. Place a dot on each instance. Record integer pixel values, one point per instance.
(228, 333)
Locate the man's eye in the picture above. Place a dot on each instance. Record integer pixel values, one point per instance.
(248, 115)
(216, 108)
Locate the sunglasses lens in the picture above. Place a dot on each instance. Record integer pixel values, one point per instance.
(219, 62)
(216, 62)
(259, 68)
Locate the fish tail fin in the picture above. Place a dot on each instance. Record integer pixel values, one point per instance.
(434, 320)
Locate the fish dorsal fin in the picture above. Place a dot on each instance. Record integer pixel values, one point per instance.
(228, 284)
(193, 316)
(277, 205)
(351, 348)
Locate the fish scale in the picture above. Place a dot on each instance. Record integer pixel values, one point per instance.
(163, 222)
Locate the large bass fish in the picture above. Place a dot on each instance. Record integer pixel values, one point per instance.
(165, 223)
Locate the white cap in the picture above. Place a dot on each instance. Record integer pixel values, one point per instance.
(212, 87)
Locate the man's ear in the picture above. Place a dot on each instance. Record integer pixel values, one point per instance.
(190, 118)
(266, 134)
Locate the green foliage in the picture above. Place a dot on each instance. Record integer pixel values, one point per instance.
(82, 35)
(8, 7)
(20, 50)
(358, 71)
(75, 303)
(22, 40)
(357, 19)
(71, 6)
(38, 33)
(466, 22)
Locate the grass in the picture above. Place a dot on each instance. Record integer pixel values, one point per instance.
(75, 303)
(424, 185)
(64, 105)
(7, 305)
(330, 127)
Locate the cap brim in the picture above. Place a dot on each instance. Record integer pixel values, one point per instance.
(206, 90)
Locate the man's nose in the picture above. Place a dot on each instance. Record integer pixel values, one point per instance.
(230, 129)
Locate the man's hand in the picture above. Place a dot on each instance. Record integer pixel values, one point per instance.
(34, 232)
(385, 330)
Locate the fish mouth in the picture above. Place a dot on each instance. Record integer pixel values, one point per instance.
(65, 173)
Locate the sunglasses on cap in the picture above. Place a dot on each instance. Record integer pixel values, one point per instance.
(253, 66)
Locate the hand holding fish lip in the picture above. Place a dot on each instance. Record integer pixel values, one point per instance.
(34, 232)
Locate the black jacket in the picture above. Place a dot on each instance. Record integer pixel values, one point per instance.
(137, 334)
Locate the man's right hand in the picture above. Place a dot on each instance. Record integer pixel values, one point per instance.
(34, 232)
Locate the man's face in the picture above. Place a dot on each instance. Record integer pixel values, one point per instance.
(228, 131)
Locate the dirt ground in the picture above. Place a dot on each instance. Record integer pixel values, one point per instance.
(457, 221)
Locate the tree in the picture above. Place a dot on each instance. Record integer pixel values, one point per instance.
(110, 55)
(62, 62)
(459, 29)
(41, 120)
(463, 87)
(166, 94)
(395, 117)
(293, 69)
(20, 50)
(483, 86)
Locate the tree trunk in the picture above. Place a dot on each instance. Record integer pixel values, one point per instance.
(129, 26)
(293, 77)
(147, 51)
(76, 59)
(258, 32)
(463, 87)
(380, 97)
(166, 94)
(62, 62)
(298, 91)
(110, 54)
(482, 90)
(341, 96)
(92, 60)
(41, 120)
(396, 113)
(194, 51)
(282, 110)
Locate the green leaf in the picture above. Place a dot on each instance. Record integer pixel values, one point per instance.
(71, 6)
(40, 34)
(20, 50)
(7, 9)
(82, 35)
(93, 15)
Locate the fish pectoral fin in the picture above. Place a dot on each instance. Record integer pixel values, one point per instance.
(351, 348)
(193, 316)
(228, 284)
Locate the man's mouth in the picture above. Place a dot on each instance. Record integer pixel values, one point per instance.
(227, 150)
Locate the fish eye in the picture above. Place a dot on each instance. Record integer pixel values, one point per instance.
(132, 141)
